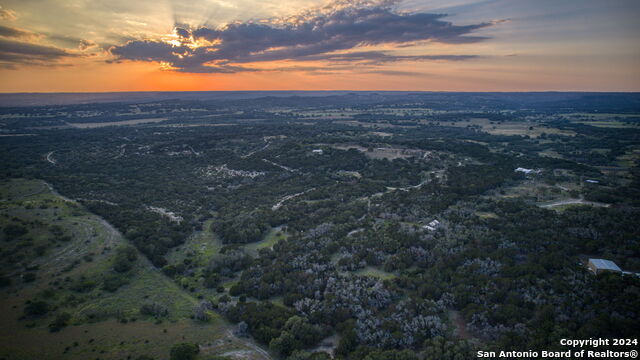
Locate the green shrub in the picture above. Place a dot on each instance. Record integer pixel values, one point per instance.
(184, 351)
(36, 308)
(29, 277)
(125, 258)
(61, 321)
(14, 231)
(113, 282)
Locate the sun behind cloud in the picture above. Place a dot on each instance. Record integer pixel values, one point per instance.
(340, 35)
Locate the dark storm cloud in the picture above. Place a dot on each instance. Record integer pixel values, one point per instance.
(304, 38)
(11, 32)
(54, 39)
(183, 33)
(15, 53)
(148, 50)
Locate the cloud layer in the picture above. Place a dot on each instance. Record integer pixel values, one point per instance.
(7, 14)
(334, 34)
(11, 32)
(24, 47)
(15, 52)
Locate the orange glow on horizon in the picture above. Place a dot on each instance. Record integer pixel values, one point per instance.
(476, 75)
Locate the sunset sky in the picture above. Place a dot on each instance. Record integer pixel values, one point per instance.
(456, 45)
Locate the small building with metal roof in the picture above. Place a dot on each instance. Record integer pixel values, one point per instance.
(598, 266)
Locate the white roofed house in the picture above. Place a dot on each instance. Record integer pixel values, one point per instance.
(432, 226)
(527, 171)
(599, 266)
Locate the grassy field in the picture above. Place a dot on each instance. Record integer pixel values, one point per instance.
(90, 125)
(373, 125)
(204, 244)
(271, 238)
(629, 159)
(327, 114)
(550, 153)
(380, 152)
(605, 120)
(533, 130)
(486, 215)
(600, 115)
(609, 124)
(537, 191)
(103, 324)
(376, 273)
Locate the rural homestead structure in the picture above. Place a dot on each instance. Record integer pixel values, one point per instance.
(527, 171)
(598, 266)
(432, 226)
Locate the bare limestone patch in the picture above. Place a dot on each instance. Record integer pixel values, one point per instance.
(222, 171)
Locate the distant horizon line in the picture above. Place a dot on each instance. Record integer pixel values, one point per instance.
(352, 91)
